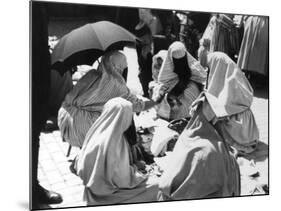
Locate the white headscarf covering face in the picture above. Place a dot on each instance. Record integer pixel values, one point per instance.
(167, 75)
(104, 162)
(115, 61)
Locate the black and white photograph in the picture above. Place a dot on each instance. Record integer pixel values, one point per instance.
(134, 105)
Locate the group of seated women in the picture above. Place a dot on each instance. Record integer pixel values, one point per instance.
(212, 93)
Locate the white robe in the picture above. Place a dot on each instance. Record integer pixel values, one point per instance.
(104, 163)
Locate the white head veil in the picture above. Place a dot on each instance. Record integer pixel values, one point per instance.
(167, 75)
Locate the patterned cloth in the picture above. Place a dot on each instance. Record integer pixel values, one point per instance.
(105, 161)
(84, 103)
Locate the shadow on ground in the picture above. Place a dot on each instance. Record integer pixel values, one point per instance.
(261, 92)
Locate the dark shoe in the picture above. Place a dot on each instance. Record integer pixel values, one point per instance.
(50, 126)
(43, 196)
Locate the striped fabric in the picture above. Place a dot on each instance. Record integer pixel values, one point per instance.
(223, 35)
(187, 98)
(84, 103)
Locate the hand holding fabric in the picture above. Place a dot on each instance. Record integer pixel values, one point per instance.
(158, 92)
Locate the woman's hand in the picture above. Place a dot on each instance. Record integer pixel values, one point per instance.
(157, 92)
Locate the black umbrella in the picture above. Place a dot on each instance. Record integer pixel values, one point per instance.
(86, 44)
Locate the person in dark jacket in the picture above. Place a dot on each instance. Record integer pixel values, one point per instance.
(144, 52)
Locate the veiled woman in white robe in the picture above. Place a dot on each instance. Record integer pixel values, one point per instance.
(105, 163)
(230, 96)
(84, 103)
(181, 77)
(201, 165)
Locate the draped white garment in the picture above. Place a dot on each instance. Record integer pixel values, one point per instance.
(104, 163)
(168, 78)
(229, 98)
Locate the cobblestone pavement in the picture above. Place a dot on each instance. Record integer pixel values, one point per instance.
(53, 170)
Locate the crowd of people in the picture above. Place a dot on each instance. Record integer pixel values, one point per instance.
(209, 90)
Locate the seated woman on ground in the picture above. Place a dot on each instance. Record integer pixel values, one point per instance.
(180, 79)
(84, 103)
(229, 96)
(105, 161)
(201, 164)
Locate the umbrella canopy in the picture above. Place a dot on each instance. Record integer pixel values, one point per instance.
(86, 44)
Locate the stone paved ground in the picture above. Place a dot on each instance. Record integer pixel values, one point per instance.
(54, 170)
